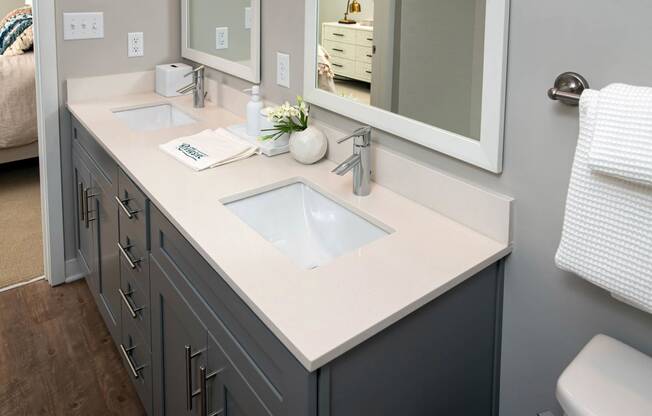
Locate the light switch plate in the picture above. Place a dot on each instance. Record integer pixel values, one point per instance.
(135, 44)
(78, 26)
(283, 69)
(221, 38)
(247, 17)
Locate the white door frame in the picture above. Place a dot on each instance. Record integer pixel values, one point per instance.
(47, 110)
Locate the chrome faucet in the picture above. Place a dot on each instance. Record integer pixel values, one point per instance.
(196, 86)
(359, 162)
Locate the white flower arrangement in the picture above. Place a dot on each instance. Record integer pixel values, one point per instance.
(287, 119)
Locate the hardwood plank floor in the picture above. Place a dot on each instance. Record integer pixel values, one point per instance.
(57, 357)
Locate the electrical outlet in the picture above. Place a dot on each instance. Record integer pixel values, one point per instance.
(221, 38)
(283, 69)
(247, 17)
(83, 26)
(135, 44)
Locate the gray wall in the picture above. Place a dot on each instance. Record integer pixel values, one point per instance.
(159, 20)
(549, 314)
(8, 5)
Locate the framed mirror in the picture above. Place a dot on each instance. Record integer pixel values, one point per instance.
(223, 34)
(430, 71)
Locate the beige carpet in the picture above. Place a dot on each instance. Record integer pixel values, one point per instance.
(21, 238)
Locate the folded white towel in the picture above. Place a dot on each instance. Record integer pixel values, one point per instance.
(622, 142)
(208, 149)
(607, 234)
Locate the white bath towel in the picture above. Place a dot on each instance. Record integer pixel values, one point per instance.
(208, 149)
(607, 233)
(622, 142)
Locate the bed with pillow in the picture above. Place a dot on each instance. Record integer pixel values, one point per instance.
(18, 131)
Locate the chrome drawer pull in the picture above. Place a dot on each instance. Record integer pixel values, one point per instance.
(338, 34)
(87, 210)
(338, 50)
(123, 251)
(132, 367)
(132, 311)
(189, 356)
(122, 203)
(338, 65)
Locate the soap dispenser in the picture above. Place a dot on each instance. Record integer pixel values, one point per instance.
(254, 108)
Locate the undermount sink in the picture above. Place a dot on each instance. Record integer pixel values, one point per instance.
(153, 117)
(305, 225)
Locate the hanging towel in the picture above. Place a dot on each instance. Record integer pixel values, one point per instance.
(622, 142)
(607, 232)
(209, 149)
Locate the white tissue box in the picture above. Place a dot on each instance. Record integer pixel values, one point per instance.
(170, 78)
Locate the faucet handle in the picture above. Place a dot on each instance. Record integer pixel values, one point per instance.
(199, 69)
(364, 132)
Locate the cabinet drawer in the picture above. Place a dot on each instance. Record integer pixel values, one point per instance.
(135, 303)
(363, 71)
(104, 162)
(339, 34)
(340, 50)
(133, 207)
(344, 67)
(364, 54)
(260, 358)
(134, 259)
(137, 359)
(364, 38)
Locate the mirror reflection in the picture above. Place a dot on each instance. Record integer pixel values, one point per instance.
(221, 28)
(422, 59)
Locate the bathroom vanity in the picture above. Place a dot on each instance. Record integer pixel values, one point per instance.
(210, 318)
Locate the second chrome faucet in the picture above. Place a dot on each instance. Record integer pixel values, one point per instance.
(196, 86)
(359, 162)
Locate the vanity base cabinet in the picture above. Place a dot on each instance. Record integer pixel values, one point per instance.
(193, 347)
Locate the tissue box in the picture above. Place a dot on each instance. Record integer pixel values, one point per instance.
(171, 77)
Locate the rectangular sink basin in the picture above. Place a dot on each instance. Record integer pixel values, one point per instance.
(305, 225)
(154, 117)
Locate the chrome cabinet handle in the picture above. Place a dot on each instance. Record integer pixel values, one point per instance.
(338, 50)
(133, 312)
(189, 393)
(125, 254)
(338, 34)
(132, 367)
(122, 203)
(86, 197)
(338, 65)
(80, 190)
(203, 393)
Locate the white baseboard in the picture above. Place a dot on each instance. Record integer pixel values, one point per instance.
(74, 271)
(36, 279)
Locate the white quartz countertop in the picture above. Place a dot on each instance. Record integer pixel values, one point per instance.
(317, 314)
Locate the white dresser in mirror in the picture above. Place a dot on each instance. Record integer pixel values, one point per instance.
(350, 48)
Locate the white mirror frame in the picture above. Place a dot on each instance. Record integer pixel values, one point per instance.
(249, 73)
(486, 153)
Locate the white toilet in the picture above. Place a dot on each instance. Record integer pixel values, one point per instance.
(607, 378)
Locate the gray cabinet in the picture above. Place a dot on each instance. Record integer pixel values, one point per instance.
(193, 347)
(97, 231)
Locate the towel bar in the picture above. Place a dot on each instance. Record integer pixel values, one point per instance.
(568, 88)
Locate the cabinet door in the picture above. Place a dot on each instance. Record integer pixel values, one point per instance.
(104, 214)
(178, 347)
(228, 393)
(84, 237)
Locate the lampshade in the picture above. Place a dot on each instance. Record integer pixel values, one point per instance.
(355, 7)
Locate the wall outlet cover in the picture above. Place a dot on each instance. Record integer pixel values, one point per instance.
(78, 26)
(221, 38)
(248, 18)
(283, 69)
(135, 44)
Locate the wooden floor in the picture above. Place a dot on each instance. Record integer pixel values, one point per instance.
(57, 357)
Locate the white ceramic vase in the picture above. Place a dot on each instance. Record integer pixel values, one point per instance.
(308, 146)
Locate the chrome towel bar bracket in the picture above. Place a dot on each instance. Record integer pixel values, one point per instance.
(568, 88)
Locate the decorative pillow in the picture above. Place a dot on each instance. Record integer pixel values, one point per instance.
(23, 43)
(14, 13)
(13, 30)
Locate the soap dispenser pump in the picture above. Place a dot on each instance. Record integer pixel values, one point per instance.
(254, 108)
